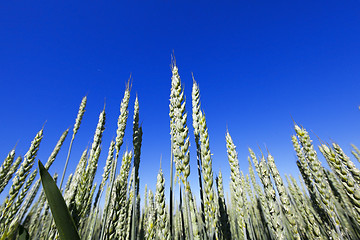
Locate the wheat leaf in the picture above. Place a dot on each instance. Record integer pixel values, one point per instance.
(63, 220)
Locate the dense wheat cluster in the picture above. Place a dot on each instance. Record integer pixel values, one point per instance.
(323, 204)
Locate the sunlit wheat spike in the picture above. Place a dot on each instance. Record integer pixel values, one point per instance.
(179, 134)
(355, 152)
(336, 159)
(114, 215)
(196, 118)
(124, 175)
(96, 148)
(121, 124)
(236, 185)
(305, 172)
(105, 175)
(137, 140)
(344, 208)
(179, 129)
(355, 172)
(79, 115)
(93, 163)
(277, 225)
(5, 169)
(10, 173)
(151, 222)
(285, 201)
(261, 203)
(312, 227)
(207, 173)
(56, 149)
(21, 174)
(120, 132)
(32, 193)
(92, 167)
(20, 199)
(80, 181)
(319, 180)
(77, 124)
(161, 221)
(28, 201)
(196, 108)
(76, 180)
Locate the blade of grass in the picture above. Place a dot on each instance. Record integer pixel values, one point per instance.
(63, 220)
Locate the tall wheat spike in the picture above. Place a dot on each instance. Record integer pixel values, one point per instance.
(10, 173)
(19, 179)
(206, 167)
(285, 201)
(77, 124)
(95, 148)
(355, 172)
(150, 229)
(179, 134)
(5, 169)
(236, 185)
(161, 220)
(35, 188)
(356, 152)
(343, 173)
(196, 117)
(137, 139)
(120, 132)
(277, 225)
(319, 179)
(312, 229)
(262, 208)
(124, 175)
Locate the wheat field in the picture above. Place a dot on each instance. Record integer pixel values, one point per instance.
(323, 204)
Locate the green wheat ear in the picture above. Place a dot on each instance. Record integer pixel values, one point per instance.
(63, 220)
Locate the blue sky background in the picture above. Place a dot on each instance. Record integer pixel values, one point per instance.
(258, 63)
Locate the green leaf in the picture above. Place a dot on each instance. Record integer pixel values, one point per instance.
(23, 233)
(63, 220)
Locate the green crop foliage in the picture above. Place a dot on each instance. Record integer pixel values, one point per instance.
(324, 204)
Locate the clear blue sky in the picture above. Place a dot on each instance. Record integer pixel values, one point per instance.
(258, 63)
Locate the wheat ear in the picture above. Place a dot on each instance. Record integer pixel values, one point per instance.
(5, 169)
(161, 221)
(285, 201)
(20, 176)
(236, 185)
(75, 130)
(320, 183)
